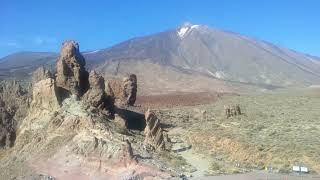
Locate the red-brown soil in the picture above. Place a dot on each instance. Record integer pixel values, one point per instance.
(177, 99)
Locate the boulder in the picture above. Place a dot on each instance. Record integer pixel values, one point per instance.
(95, 96)
(44, 95)
(123, 92)
(71, 78)
(153, 132)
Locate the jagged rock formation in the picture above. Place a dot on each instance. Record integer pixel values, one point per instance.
(59, 128)
(238, 109)
(115, 90)
(12, 88)
(95, 96)
(123, 92)
(7, 126)
(153, 132)
(233, 110)
(44, 95)
(40, 74)
(15, 97)
(130, 89)
(71, 78)
(14, 104)
(44, 90)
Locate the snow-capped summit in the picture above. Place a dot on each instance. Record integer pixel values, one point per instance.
(182, 31)
(186, 28)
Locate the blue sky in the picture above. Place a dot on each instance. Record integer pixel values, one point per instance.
(41, 25)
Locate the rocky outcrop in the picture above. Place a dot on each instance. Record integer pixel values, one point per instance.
(238, 109)
(71, 78)
(123, 92)
(84, 133)
(120, 123)
(130, 89)
(153, 132)
(114, 89)
(233, 110)
(95, 96)
(44, 95)
(127, 156)
(7, 127)
(11, 88)
(40, 74)
(16, 97)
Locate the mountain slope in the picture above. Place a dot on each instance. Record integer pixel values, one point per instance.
(198, 58)
(219, 54)
(21, 65)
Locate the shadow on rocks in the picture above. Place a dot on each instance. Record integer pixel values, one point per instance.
(134, 120)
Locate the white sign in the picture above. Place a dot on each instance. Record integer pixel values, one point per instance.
(304, 169)
(300, 169)
(296, 168)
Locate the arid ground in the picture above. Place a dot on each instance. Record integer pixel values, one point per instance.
(275, 131)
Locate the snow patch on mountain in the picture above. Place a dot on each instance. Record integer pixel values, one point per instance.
(211, 73)
(218, 74)
(91, 52)
(195, 26)
(183, 31)
(186, 67)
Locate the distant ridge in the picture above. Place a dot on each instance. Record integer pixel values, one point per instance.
(191, 56)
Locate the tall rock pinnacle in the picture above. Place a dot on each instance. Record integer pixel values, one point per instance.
(72, 78)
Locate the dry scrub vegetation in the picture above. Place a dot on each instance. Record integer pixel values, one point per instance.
(277, 130)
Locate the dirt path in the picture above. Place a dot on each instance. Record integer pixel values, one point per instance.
(200, 163)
